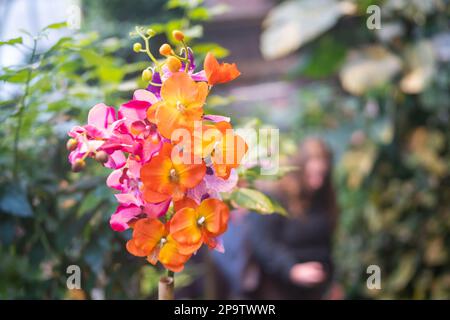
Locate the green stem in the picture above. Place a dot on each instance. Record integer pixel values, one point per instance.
(147, 48)
(187, 62)
(149, 53)
(20, 112)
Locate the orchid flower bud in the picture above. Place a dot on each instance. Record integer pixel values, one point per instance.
(78, 165)
(101, 156)
(71, 144)
(165, 50)
(147, 75)
(178, 35)
(137, 47)
(174, 64)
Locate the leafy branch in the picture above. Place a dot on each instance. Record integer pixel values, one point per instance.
(21, 109)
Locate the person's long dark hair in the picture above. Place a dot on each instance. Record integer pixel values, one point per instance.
(293, 185)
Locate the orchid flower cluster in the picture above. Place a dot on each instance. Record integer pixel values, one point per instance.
(170, 161)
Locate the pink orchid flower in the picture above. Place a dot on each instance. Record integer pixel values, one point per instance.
(212, 186)
(131, 203)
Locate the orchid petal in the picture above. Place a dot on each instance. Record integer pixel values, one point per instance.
(156, 210)
(113, 180)
(119, 220)
(144, 95)
(116, 160)
(216, 118)
(101, 116)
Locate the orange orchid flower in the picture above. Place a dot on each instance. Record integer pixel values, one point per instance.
(218, 142)
(151, 239)
(201, 141)
(164, 179)
(182, 104)
(191, 227)
(219, 73)
(186, 202)
(229, 152)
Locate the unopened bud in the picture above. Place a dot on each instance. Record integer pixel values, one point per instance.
(71, 144)
(174, 64)
(137, 47)
(178, 35)
(150, 32)
(78, 165)
(101, 156)
(165, 50)
(146, 75)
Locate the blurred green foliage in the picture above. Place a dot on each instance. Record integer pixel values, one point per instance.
(51, 218)
(381, 98)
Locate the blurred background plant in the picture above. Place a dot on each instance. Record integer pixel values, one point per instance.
(379, 97)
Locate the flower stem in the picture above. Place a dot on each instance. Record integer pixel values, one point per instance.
(187, 62)
(147, 48)
(166, 286)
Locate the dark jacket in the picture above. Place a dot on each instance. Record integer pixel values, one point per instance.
(278, 243)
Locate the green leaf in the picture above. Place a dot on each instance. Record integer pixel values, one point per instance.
(199, 14)
(185, 4)
(278, 208)
(157, 27)
(91, 58)
(14, 201)
(326, 59)
(12, 42)
(204, 48)
(110, 74)
(57, 105)
(89, 203)
(252, 200)
(8, 109)
(86, 40)
(60, 43)
(57, 25)
(19, 76)
(6, 104)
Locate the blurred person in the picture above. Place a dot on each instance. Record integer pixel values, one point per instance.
(293, 254)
